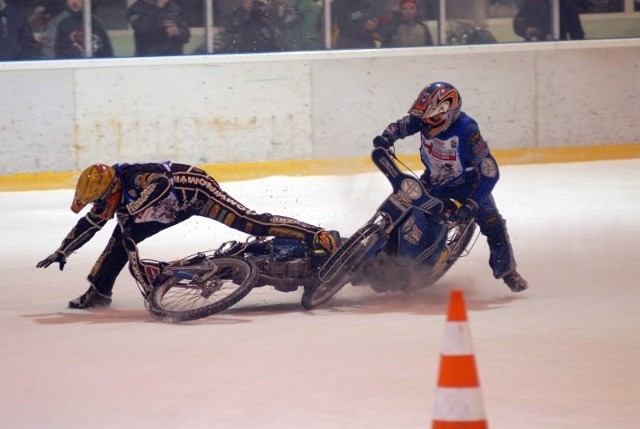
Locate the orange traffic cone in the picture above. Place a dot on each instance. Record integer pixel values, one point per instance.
(458, 403)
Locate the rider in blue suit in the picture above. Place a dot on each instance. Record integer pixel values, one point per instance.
(458, 165)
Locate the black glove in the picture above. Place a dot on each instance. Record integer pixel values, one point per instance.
(382, 141)
(57, 256)
(466, 212)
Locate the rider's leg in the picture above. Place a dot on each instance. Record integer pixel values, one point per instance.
(501, 259)
(218, 205)
(111, 262)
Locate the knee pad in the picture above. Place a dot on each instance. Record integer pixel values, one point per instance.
(491, 224)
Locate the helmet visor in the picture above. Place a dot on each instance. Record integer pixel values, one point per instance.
(103, 207)
(77, 204)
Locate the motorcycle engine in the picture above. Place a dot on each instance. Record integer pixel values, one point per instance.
(294, 268)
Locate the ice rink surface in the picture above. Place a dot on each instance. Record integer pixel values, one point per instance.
(564, 354)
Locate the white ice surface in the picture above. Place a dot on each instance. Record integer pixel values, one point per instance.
(563, 354)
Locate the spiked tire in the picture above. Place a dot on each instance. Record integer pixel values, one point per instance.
(200, 290)
(342, 265)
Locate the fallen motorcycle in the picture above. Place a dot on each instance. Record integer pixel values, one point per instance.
(410, 242)
(190, 288)
(209, 282)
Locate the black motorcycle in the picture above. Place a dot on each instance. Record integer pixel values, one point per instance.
(209, 282)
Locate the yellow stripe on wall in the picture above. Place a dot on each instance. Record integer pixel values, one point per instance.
(341, 166)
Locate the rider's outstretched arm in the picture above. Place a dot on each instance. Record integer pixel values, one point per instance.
(84, 230)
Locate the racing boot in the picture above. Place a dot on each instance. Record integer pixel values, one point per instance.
(515, 281)
(327, 241)
(501, 257)
(91, 298)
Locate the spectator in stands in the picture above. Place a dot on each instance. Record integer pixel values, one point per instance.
(16, 38)
(158, 27)
(66, 30)
(406, 28)
(533, 21)
(356, 24)
(42, 14)
(39, 20)
(305, 32)
(261, 25)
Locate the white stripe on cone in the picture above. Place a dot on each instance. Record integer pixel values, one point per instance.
(457, 339)
(459, 404)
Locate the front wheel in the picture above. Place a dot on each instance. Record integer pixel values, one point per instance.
(195, 291)
(458, 240)
(343, 265)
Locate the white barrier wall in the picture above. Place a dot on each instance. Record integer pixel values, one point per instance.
(63, 115)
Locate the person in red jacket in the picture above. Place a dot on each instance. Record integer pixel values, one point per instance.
(148, 198)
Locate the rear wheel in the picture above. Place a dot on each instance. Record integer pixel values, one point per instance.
(195, 291)
(342, 265)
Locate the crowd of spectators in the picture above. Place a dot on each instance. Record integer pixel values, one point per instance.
(55, 29)
(49, 29)
(260, 25)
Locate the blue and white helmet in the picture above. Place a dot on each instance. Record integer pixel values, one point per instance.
(438, 105)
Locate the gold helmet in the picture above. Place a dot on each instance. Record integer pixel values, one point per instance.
(98, 184)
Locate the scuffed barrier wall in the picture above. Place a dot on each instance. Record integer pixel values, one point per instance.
(198, 113)
(37, 120)
(59, 116)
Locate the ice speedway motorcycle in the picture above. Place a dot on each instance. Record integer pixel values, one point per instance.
(211, 281)
(409, 243)
(188, 289)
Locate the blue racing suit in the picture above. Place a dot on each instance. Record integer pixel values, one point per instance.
(459, 165)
